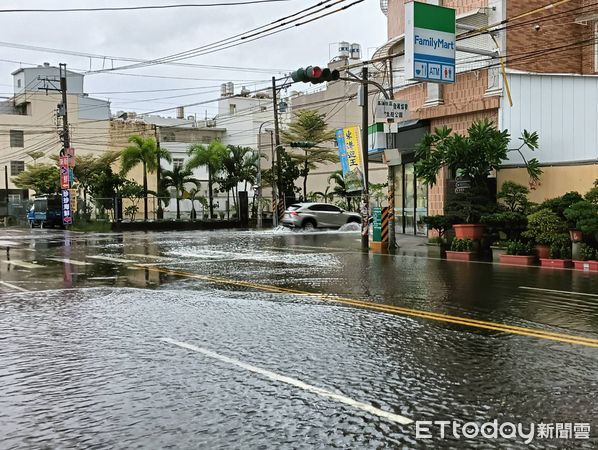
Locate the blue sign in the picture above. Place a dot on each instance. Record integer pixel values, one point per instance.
(342, 150)
(67, 213)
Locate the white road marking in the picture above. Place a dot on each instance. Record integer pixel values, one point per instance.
(112, 259)
(18, 288)
(102, 278)
(157, 258)
(9, 243)
(70, 261)
(19, 263)
(297, 383)
(559, 292)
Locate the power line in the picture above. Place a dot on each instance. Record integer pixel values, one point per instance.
(136, 8)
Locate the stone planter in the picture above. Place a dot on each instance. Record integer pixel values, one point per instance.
(497, 252)
(436, 250)
(460, 256)
(518, 260)
(586, 266)
(556, 263)
(473, 231)
(543, 251)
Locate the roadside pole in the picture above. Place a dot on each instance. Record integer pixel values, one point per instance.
(365, 201)
(281, 194)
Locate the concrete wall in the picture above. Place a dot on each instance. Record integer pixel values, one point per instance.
(555, 181)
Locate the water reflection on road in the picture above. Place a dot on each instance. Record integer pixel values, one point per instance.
(83, 363)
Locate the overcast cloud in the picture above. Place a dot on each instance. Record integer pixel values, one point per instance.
(149, 34)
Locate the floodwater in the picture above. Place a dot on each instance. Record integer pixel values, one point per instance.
(184, 340)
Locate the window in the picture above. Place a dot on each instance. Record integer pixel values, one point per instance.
(14, 198)
(19, 83)
(177, 162)
(16, 138)
(232, 108)
(169, 137)
(206, 139)
(16, 167)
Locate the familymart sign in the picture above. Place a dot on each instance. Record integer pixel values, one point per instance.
(430, 43)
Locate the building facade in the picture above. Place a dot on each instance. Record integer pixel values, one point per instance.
(29, 122)
(549, 57)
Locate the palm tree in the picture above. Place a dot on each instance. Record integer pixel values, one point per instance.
(341, 188)
(178, 178)
(141, 150)
(211, 157)
(326, 196)
(308, 130)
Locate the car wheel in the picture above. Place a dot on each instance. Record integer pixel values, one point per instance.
(308, 225)
(353, 220)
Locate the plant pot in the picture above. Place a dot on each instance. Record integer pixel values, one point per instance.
(460, 256)
(576, 235)
(586, 266)
(473, 231)
(497, 252)
(435, 250)
(556, 263)
(518, 260)
(543, 251)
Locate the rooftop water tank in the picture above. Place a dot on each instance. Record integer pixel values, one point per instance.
(355, 51)
(344, 49)
(230, 88)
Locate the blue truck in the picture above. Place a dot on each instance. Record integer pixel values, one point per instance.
(46, 212)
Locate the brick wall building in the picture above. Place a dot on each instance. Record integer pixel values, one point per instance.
(536, 42)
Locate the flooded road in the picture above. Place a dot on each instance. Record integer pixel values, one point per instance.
(236, 339)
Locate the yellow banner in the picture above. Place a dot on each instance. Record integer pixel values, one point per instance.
(354, 179)
(73, 200)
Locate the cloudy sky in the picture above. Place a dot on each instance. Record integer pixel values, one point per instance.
(150, 34)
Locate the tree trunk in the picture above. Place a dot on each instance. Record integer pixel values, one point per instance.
(305, 172)
(210, 194)
(178, 207)
(85, 202)
(144, 192)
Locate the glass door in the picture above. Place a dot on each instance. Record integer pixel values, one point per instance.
(398, 175)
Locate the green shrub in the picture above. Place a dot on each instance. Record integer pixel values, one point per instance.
(545, 227)
(558, 205)
(435, 240)
(519, 248)
(583, 216)
(462, 245)
(560, 250)
(511, 223)
(440, 223)
(587, 253)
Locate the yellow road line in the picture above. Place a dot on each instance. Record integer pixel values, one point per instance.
(571, 339)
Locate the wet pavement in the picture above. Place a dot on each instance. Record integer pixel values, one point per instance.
(244, 339)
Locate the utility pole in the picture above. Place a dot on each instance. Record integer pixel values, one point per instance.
(6, 187)
(365, 200)
(274, 182)
(277, 141)
(160, 212)
(63, 111)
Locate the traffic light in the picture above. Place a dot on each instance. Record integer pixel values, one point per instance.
(315, 75)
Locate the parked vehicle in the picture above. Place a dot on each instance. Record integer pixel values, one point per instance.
(46, 212)
(317, 215)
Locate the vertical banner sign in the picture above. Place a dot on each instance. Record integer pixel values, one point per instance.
(67, 212)
(354, 178)
(342, 150)
(65, 180)
(430, 43)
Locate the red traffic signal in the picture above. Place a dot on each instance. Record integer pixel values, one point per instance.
(315, 75)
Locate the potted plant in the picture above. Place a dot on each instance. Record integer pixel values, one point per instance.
(461, 250)
(545, 227)
(438, 245)
(472, 157)
(583, 219)
(587, 259)
(560, 255)
(518, 253)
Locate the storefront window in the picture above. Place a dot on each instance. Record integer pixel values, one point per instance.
(409, 192)
(422, 207)
(398, 174)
